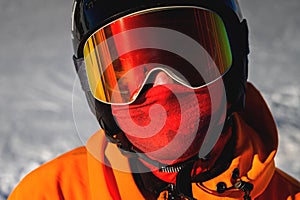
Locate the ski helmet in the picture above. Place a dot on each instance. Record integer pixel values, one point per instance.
(88, 16)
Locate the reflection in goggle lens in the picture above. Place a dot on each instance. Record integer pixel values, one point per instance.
(120, 56)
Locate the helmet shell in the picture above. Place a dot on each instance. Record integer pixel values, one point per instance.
(90, 15)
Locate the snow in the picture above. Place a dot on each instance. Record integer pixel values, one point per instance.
(44, 113)
(274, 69)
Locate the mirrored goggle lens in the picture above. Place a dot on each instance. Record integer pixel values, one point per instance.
(190, 44)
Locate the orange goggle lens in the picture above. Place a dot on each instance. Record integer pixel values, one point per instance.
(188, 43)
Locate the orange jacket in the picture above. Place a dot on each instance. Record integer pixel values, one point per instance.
(79, 175)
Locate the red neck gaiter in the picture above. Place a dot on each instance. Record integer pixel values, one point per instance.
(167, 123)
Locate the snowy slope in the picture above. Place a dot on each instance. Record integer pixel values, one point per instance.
(43, 112)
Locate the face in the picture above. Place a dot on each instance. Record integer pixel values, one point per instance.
(162, 79)
(168, 121)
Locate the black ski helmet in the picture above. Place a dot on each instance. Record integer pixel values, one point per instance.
(90, 15)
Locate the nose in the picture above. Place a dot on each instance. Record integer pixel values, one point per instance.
(162, 78)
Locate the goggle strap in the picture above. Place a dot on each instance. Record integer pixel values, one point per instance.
(81, 71)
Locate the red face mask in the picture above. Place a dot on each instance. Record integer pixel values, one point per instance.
(168, 122)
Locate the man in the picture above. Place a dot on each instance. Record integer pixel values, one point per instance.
(167, 81)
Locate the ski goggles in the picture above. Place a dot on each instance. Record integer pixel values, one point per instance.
(190, 44)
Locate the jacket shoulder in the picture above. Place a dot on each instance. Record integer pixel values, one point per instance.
(282, 187)
(56, 178)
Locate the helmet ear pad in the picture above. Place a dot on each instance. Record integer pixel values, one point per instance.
(235, 79)
(235, 84)
(103, 114)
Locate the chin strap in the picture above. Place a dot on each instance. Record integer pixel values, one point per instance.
(184, 182)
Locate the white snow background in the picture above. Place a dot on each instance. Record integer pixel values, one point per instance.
(38, 90)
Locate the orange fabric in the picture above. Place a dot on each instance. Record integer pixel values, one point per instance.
(79, 175)
(62, 178)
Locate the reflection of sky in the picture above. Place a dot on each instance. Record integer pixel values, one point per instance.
(37, 76)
